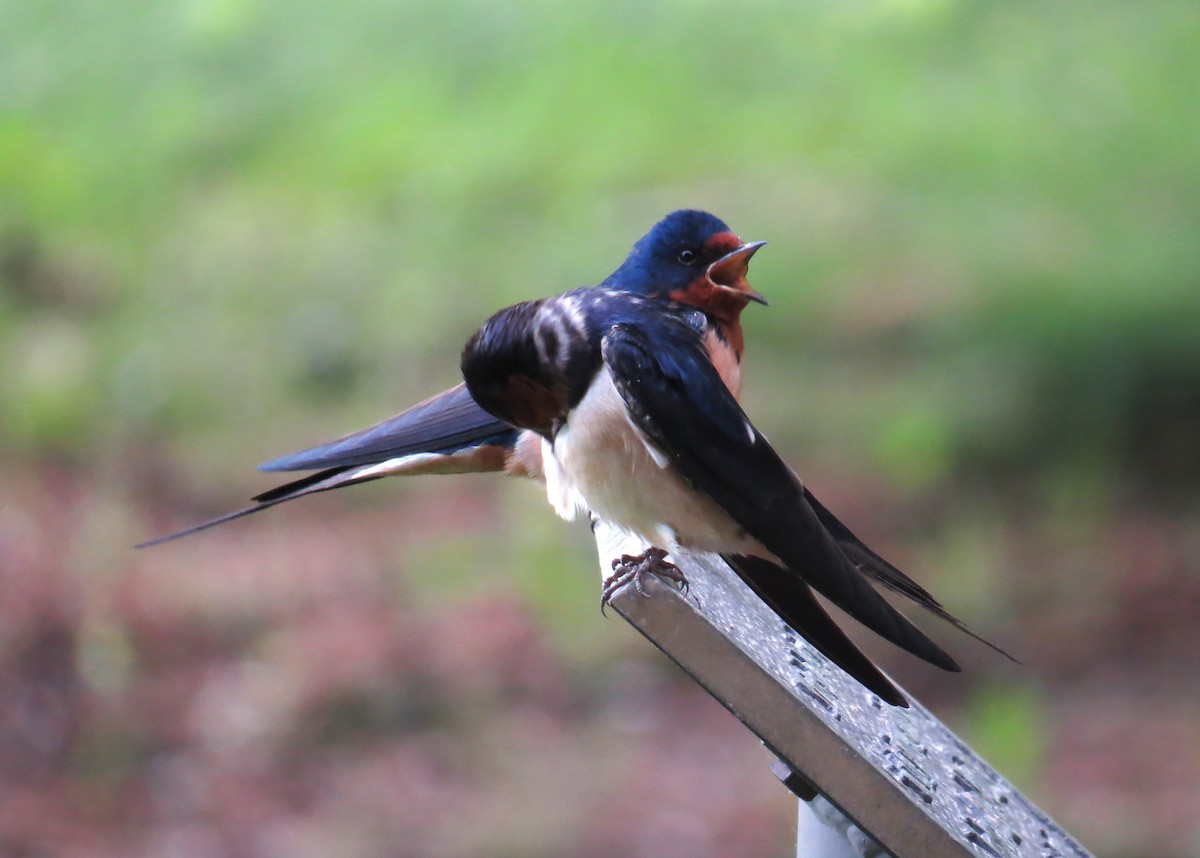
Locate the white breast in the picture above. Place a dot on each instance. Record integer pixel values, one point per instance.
(601, 462)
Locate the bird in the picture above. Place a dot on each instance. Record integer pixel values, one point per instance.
(622, 398)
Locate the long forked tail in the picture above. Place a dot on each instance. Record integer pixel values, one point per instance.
(335, 478)
(885, 573)
(793, 600)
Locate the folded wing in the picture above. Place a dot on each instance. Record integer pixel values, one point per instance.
(676, 397)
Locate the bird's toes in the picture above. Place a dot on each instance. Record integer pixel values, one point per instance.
(631, 569)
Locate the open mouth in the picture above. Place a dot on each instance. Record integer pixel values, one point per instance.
(729, 272)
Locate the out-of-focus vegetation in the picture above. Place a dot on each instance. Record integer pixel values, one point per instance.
(230, 228)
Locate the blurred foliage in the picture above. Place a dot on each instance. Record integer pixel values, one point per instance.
(230, 228)
(1008, 724)
(261, 202)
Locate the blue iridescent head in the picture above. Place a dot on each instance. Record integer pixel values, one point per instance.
(694, 258)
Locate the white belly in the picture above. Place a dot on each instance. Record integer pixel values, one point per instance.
(600, 462)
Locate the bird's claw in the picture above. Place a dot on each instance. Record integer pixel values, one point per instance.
(635, 568)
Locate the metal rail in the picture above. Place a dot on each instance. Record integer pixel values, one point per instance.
(899, 775)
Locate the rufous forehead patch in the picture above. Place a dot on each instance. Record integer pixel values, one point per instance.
(722, 243)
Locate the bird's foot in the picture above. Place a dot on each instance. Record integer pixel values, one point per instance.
(635, 569)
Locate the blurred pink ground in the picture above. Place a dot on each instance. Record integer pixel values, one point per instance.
(249, 695)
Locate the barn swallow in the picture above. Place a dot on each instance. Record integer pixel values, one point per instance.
(622, 399)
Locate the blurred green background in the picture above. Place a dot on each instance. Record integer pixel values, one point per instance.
(233, 228)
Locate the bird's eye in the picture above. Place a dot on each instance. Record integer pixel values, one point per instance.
(687, 256)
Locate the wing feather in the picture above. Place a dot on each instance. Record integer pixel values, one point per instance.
(441, 424)
(677, 398)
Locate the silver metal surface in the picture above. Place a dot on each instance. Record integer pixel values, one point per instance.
(899, 774)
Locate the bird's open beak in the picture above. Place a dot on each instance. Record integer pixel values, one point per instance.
(729, 272)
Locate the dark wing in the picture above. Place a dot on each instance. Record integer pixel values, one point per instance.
(676, 397)
(526, 364)
(446, 434)
(442, 424)
(887, 574)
